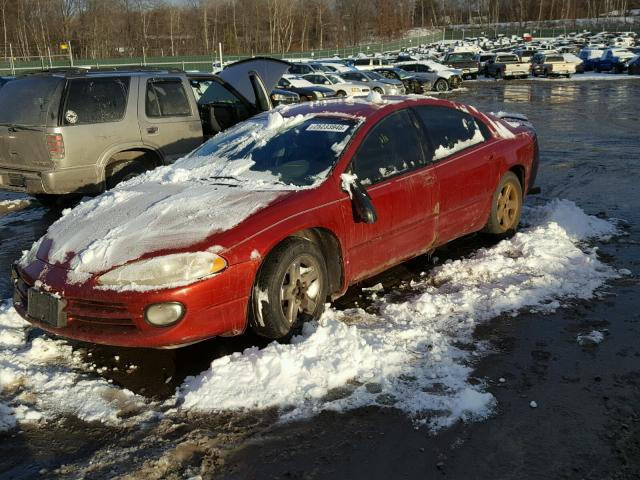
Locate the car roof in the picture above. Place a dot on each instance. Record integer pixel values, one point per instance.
(361, 108)
(84, 73)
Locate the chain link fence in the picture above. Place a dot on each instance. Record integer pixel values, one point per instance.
(207, 63)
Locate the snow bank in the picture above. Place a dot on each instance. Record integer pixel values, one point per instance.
(592, 338)
(43, 378)
(414, 354)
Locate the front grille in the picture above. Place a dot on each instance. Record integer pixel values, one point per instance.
(80, 311)
(98, 313)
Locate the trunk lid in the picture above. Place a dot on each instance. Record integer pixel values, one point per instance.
(255, 78)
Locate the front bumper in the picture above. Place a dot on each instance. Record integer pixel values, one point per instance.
(214, 306)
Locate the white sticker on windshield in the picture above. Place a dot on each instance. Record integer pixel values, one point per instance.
(327, 127)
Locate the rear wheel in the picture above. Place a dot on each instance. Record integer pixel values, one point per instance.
(441, 85)
(291, 288)
(506, 207)
(378, 90)
(341, 93)
(122, 171)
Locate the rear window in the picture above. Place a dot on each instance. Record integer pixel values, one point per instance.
(95, 100)
(555, 58)
(450, 130)
(31, 101)
(508, 58)
(460, 57)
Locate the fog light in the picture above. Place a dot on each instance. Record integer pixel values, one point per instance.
(164, 314)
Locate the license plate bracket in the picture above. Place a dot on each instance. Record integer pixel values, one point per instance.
(46, 308)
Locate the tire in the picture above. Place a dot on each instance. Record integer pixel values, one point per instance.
(506, 207)
(378, 90)
(499, 74)
(441, 85)
(119, 172)
(278, 308)
(341, 93)
(474, 76)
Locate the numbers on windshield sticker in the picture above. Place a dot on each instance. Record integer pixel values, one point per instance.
(327, 127)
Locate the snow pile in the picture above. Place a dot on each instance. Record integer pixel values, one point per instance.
(592, 338)
(41, 379)
(414, 354)
(375, 97)
(16, 204)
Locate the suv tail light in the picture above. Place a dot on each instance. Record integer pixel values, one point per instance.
(55, 146)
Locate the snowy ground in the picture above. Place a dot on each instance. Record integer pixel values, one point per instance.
(415, 353)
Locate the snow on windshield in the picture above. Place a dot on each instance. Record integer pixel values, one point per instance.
(209, 191)
(415, 353)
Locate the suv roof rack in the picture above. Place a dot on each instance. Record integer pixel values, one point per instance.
(114, 69)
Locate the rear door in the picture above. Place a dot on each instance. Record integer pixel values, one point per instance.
(391, 165)
(464, 166)
(168, 116)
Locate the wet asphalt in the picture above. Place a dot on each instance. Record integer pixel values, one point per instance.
(587, 424)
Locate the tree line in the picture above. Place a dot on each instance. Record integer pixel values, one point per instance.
(110, 28)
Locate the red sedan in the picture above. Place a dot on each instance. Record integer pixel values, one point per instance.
(263, 223)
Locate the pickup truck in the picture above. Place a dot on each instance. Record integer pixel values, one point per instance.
(83, 131)
(507, 66)
(464, 61)
(551, 65)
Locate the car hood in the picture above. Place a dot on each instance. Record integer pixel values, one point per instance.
(131, 221)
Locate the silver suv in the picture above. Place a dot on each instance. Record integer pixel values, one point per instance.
(81, 131)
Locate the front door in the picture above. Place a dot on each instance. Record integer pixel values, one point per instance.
(390, 163)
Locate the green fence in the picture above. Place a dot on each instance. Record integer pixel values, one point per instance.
(205, 62)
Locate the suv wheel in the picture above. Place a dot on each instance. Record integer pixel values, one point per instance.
(122, 171)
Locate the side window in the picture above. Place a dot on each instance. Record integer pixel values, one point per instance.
(362, 61)
(166, 98)
(391, 147)
(451, 130)
(96, 100)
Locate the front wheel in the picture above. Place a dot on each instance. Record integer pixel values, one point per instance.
(441, 85)
(291, 288)
(506, 207)
(378, 90)
(341, 93)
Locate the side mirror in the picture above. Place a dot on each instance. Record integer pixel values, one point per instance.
(362, 205)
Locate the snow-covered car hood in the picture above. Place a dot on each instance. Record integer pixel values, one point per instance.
(443, 70)
(123, 224)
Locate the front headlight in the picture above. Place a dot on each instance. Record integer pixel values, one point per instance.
(168, 270)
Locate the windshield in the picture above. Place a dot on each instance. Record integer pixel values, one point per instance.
(296, 151)
(32, 101)
(375, 76)
(401, 73)
(335, 79)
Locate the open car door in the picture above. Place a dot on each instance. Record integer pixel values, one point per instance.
(254, 78)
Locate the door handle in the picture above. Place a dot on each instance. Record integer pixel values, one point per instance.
(152, 130)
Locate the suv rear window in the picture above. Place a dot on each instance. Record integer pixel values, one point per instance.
(167, 98)
(31, 101)
(96, 100)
